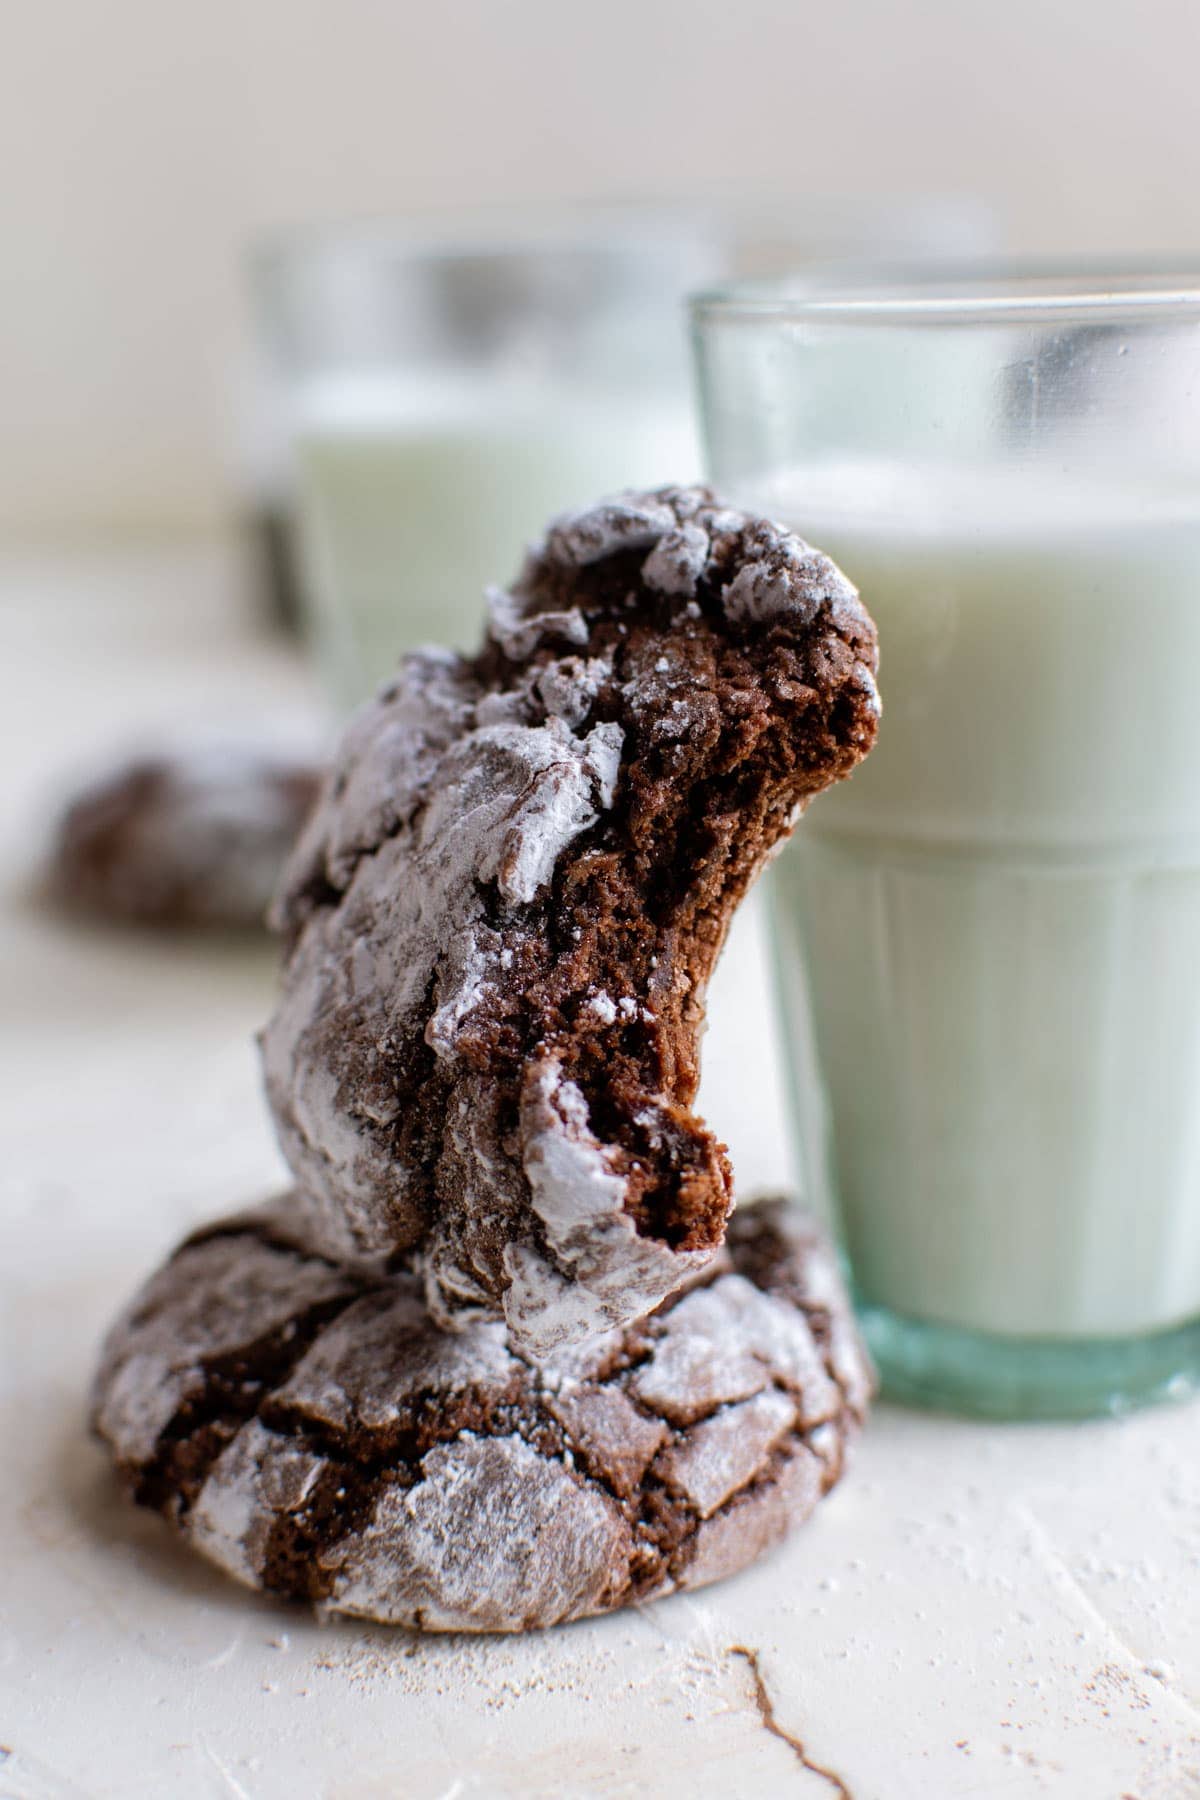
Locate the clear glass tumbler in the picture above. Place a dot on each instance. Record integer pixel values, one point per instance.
(988, 941)
(451, 387)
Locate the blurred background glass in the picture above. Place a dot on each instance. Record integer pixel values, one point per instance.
(444, 388)
(445, 396)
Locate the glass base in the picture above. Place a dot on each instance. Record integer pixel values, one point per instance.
(990, 1377)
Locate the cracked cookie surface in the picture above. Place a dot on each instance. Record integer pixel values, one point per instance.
(315, 1434)
(503, 915)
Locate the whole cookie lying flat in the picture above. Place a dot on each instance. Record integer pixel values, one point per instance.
(318, 1436)
(504, 912)
(188, 837)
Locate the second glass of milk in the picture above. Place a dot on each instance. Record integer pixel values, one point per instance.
(451, 389)
(989, 939)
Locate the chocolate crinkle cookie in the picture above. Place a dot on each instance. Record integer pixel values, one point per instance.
(188, 837)
(317, 1435)
(502, 917)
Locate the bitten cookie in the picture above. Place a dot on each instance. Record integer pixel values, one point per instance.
(192, 837)
(318, 1436)
(504, 912)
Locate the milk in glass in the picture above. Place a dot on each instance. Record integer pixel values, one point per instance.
(999, 915)
(416, 497)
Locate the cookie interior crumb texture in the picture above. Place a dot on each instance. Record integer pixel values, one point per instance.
(502, 918)
(315, 1434)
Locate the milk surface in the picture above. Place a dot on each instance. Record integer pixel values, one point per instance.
(416, 496)
(999, 915)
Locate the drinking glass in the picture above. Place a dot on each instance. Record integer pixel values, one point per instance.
(988, 940)
(450, 389)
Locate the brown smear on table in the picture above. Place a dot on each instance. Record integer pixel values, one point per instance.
(766, 1712)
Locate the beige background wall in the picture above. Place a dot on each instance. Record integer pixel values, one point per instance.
(143, 141)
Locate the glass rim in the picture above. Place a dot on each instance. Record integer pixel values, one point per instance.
(505, 232)
(959, 294)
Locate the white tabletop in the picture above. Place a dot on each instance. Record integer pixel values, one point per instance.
(977, 1612)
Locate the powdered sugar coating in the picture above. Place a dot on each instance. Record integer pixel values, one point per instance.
(783, 576)
(724, 1453)
(597, 1272)
(356, 1455)
(519, 636)
(629, 522)
(677, 561)
(368, 1362)
(197, 1309)
(507, 800)
(491, 1537)
(421, 1063)
(752, 1522)
(727, 1341)
(257, 1478)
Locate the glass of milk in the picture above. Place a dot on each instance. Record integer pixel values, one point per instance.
(988, 940)
(449, 389)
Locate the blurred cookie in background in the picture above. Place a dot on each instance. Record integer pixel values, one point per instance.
(189, 836)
